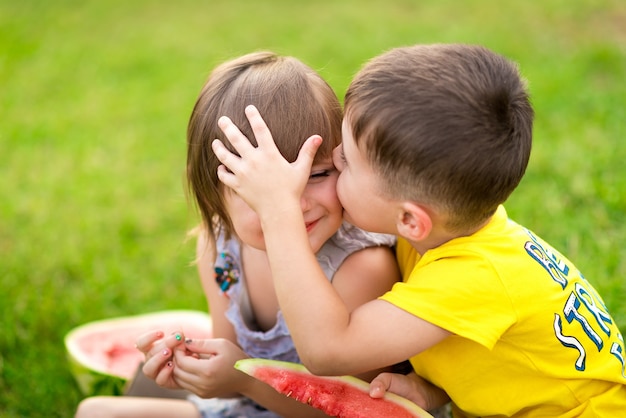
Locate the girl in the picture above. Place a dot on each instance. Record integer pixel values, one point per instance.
(232, 261)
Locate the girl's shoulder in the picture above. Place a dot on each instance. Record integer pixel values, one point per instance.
(346, 241)
(227, 263)
(231, 246)
(350, 236)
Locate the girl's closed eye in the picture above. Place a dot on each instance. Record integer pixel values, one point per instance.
(320, 173)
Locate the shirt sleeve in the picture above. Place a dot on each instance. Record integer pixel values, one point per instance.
(462, 294)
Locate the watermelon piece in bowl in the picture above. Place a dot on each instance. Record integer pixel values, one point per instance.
(337, 396)
(102, 355)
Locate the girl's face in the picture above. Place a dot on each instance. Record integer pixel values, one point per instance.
(320, 206)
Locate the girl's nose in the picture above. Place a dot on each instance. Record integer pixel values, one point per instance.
(305, 204)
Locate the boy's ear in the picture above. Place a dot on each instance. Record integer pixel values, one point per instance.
(413, 222)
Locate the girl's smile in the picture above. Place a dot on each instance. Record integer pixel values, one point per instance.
(320, 206)
(311, 225)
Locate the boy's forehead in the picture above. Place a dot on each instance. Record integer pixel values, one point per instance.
(347, 140)
(345, 123)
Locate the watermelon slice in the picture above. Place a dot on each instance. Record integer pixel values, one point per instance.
(337, 396)
(102, 354)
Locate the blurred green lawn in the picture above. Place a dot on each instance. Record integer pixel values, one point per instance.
(94, 100)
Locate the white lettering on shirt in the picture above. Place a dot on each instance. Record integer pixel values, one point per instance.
(582, 306)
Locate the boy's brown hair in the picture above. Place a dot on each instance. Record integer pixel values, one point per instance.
(443, 125)
(295, 103)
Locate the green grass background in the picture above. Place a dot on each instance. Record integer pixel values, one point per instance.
(94, 101)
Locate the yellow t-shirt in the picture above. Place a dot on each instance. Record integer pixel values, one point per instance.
(531, 337)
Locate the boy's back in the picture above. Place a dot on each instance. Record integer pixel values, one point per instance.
(529, 330)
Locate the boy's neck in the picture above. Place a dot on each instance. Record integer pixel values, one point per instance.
(440, 235)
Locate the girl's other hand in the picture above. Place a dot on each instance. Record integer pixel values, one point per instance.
(206, 368)
(159, 351)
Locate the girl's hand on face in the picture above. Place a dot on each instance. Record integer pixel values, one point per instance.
(261, 176)
(209, 370)
(159, 352)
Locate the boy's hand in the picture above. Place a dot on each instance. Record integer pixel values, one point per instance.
(410, 386)
(261, 176)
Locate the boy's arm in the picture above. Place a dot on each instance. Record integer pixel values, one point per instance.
(329, 338)
(363, 276)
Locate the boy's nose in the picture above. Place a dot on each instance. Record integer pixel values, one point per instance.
(337, 161)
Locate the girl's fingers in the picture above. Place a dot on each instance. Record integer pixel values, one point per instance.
(206, 347)
(187, 368)
(158, 345)
(195, 374)
(165, 377)
(167, 343)
(153, 366)
(145, 341)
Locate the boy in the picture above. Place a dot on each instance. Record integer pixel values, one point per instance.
(435, 138)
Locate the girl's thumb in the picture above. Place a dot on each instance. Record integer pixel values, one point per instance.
(201, 346)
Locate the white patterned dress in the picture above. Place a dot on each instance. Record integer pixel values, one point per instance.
(275, 343)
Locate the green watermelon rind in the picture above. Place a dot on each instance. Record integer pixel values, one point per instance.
(93, 380)
(249, 366)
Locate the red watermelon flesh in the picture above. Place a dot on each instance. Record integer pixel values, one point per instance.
(343, 397)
